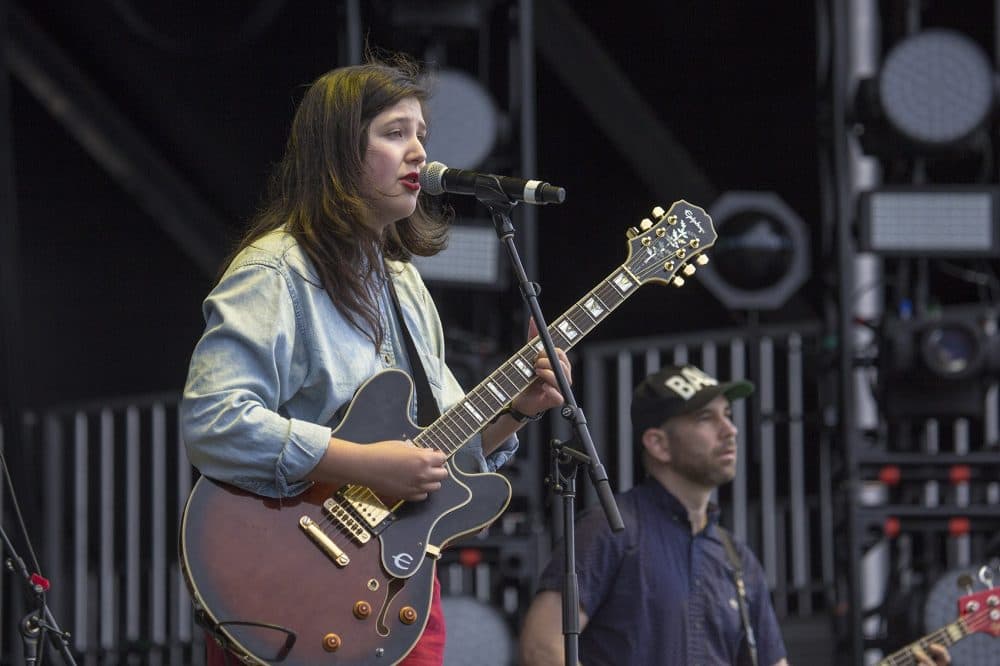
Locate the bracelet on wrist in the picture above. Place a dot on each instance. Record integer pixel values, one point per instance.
(520, 416)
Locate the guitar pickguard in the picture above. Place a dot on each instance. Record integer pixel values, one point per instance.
(405, 541)
(379, 412)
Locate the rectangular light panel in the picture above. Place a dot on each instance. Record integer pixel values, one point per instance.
(472, 259)
(930, 222)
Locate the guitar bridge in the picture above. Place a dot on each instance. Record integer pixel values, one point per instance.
(325, 543)
(347, 521)
(367, 506)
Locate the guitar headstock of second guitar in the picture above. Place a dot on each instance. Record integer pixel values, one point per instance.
(668, 247)
(981, 610)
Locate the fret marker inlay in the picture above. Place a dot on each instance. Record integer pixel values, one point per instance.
(525, 369)
(622, 282)
(594, 308)
(568, 330)
(472, 410)
(495, 390)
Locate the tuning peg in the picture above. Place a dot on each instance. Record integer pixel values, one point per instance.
(702, 259)
(986, 576)
(645, 224)
(689, 270)
(632, 232)
(658, 212)
(678, 281)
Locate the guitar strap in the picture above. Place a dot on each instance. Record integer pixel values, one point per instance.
(736, 571)
(427, 409)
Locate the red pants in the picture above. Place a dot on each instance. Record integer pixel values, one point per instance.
(429, 650)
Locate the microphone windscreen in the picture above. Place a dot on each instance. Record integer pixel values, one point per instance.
(432, 178)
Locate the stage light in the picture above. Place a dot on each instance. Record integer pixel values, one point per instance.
(463, 118)
(762, 254)
(934, 90)
(936, 87)
(937, 365)
(472, 259)
(938, 221)
(952, 350)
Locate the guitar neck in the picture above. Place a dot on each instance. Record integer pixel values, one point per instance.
(947, 636)
(481, 405)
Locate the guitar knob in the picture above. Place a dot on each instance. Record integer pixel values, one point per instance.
(702, 259)
(362, 609)
(678, 281)
(331, 642)
(632, 232)
(689, 270)
(407, 615)
(646, 224)
(658, 212)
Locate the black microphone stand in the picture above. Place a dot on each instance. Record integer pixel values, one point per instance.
(38, 624)
(563, 465)
(491, 195)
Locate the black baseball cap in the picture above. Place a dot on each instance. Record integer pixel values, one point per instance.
(679, 389)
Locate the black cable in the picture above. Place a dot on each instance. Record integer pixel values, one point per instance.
(17, 512)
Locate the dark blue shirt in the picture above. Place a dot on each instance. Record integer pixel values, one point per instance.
(657, 594)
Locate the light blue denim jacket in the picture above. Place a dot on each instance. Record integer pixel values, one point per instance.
(277, 361)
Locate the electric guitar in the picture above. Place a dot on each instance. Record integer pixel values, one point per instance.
(342, 577)
(977, 612)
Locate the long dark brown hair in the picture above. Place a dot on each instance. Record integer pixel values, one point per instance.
(315, 190)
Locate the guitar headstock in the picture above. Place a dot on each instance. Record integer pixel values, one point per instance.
(667, 247)
(981, 611)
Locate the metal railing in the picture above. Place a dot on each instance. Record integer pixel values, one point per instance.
(117, 477)
(115, 481)
(781, 501)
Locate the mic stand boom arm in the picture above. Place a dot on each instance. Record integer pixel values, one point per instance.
(491, 195)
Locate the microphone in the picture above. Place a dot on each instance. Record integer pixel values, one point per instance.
(436, 178)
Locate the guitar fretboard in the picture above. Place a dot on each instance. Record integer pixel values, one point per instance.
(481, 405)
(947, 636)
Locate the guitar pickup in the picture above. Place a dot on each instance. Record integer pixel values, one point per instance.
(344, 518)
(367, 507)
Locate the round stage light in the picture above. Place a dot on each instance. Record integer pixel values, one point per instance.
(953, 350)
(936, 87)
(463, 120)
(762, 254)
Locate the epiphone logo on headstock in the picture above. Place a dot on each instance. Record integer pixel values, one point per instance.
(693, 219)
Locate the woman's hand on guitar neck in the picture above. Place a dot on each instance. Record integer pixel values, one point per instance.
(543, 393)
(540, 395)
(392, 469)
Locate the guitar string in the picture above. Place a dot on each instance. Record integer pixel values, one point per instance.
(455, 419)
(457, 425)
